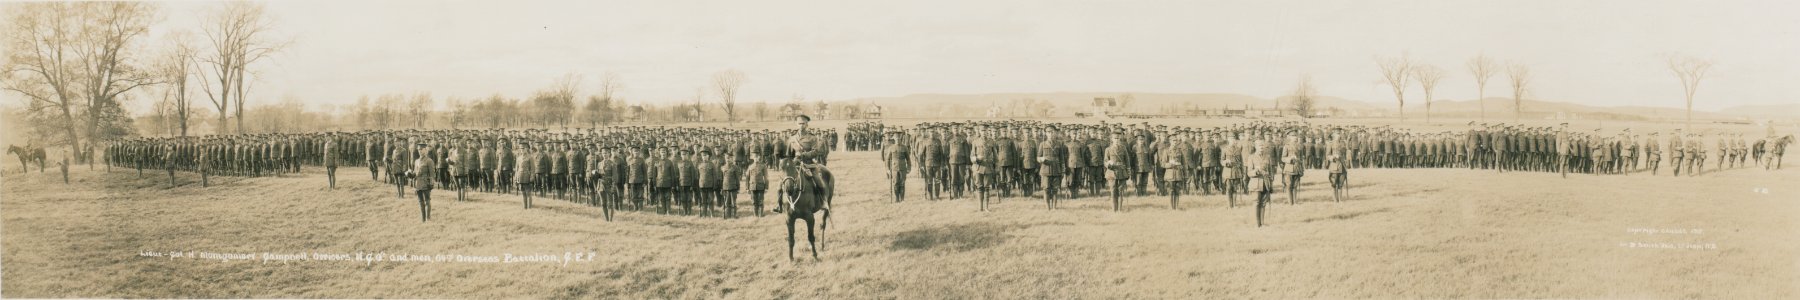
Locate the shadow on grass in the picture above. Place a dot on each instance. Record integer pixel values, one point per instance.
(959, 237)
(1348, 215)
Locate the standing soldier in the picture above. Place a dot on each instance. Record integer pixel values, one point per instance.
(666, 182)
(1652, 153)
(484, 173)
(1050, 153)
(731, 176)
(708, 192)
(1006, 157)
(756, 177)
(1116, 171)
(422, 177)
(636, 175)
(982, 161)
(456, 162)
(1173, 158)
(399, 163)
(1290, 160)
(525, 171)
(372, 155)
(959, 164)
(1335, 162)
(1676, 152)
(688, 179)
(331, 158)
(1146, 163)
(578, 178)
(1696, 154)
(1562, 150)
(1096, 149)
(1028, 164)
(1076, 159)
(1230, 168)
(559, 167)
(896, 156)
(1258, 164)
(933, 158)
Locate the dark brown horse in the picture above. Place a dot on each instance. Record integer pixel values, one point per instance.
(28, 155)
(803, 201)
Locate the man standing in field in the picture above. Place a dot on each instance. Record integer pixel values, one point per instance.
(1028, 164)
(1076, 159)
(331, 158)
(1172, 157)
(1050, 153)
(422, 177)
(896, 156)
(1290, 161)
(1116, 172)
(1562, 149)
(525, 171)
(1334, 158)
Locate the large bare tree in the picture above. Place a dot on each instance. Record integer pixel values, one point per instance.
(1396, 71)
(78, 57)
(1428, 76)
(1305, 96)
(239, 33)
(727, 83)
(41, 62)
(1482, 68)
(1520, 76)
(176, 66)
(1690, 70)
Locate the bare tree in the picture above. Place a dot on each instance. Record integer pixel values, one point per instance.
(1396, 70)
(1690, 70)
(596, 110)
(41, 63)
(1428, 76)
(559, 100)
(78, 55)
(459, 112)
(762, 111)
(175, 67)
(364, 113)
(727, 83)
(1520, 75)
(419, 108)
(385, 108)
(610, 84)
(1305, 96)
(239, 35)
(1482, 68)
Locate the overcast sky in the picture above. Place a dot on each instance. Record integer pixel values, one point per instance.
(1606, 53)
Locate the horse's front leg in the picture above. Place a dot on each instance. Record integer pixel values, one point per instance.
(790, 230)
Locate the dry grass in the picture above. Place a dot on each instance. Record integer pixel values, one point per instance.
(1436, 233)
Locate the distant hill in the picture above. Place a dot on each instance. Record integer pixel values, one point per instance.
(1791, 110)
(1068, 103)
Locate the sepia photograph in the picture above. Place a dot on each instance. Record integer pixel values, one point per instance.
(985, 149)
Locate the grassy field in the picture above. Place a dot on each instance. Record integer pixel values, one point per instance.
(1405, 233)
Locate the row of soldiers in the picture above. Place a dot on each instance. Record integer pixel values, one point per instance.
(1029, 156)
(636, 167)
(614, 167)
(249, 155)
(864, 136)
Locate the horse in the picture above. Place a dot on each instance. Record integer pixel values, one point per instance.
(806, 201)
(27, 155)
